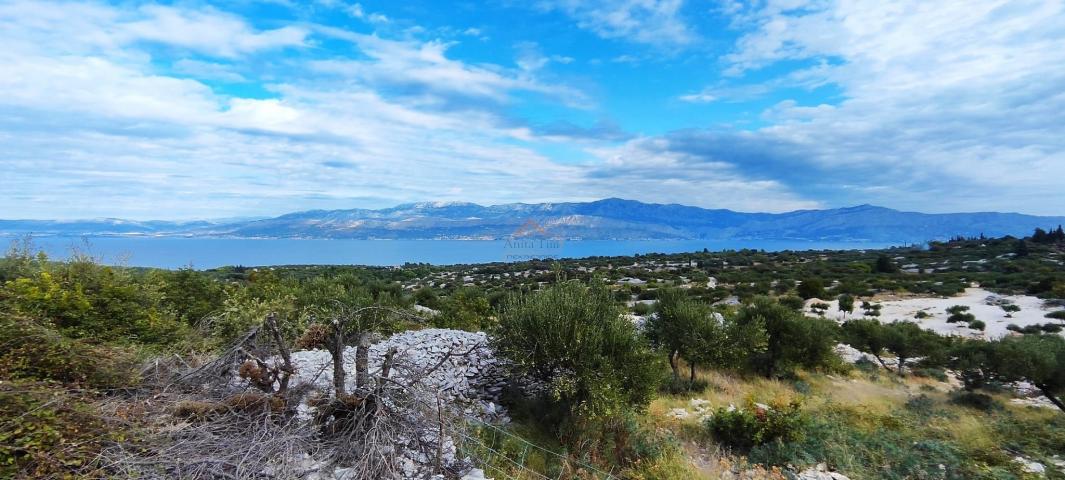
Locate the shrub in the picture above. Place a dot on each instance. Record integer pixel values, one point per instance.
(791, 339)
(885, 265)
(921, 404)
(1034, 329)
(36, 352)
(957, 309)
(865, 365)
(979, 401)
(819, 307)
(867, 446)
(689, 328)
(47, 433)
(812, 287)
(972, 359)
(961, 317)
(791, 301)
(977, 325)
(931, 372)
(83, 299)
(1037, 359)
(682, 385)
(642, 309)
(871, 309)
(572, 339)
(466, 309)
(754, 424)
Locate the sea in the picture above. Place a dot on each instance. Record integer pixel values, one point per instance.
(207, 253)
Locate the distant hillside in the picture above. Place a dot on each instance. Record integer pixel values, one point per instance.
(600, 220)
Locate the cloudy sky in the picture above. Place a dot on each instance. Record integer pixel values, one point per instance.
(204, 110)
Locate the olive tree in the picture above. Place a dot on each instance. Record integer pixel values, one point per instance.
(905, 340)
(1037, 359)
(791, 339)
(689, 328)
(571, 338)
(846, 304)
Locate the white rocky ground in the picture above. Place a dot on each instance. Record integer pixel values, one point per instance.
(983, 304)
(470, 376)
(454, 367)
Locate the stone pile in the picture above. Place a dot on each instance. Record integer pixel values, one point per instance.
(460, 365)
(451, 368)
(820, 472)
(469, 375)
(850, 354)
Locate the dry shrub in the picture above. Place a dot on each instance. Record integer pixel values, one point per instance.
(197, 409)
(316, 336)
(255, 402)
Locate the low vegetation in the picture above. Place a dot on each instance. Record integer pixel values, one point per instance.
(706, 365)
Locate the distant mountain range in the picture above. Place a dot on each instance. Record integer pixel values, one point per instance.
(600, 220)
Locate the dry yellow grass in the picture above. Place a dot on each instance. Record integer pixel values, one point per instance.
(871, 400)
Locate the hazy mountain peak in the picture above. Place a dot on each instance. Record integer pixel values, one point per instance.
(609, 218)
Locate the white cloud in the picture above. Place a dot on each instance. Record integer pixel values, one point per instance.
(946, 105)
(655, 22)
(100, 121)
(700, 97)
(356, 10)
(426, 65)
(208, 70)
(656, 169)
(208, 31)
(94, 125)
(90, 27)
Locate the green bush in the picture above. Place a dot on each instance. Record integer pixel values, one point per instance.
(887, 449)
(961, 317)
(753, 424)
(683, 385)
(572, 339)
(465, 309)
(922, 405)
(36, 352)
(793, 302)
(791, 340)
(979, 401)
(1051, 328)
(930, 372)
(47, 433)
(812, 287)
(83, 299)
(642, 309)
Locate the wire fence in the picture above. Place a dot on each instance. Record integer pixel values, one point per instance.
(492, 446)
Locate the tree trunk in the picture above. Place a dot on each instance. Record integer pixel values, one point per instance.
(362, 362)
(673, 365)
(336, 350)
(1051, 397)
(902, 366)
(284, 373)
(691, 368)
(882, 364)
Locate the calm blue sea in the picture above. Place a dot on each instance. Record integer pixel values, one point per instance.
(204, 253)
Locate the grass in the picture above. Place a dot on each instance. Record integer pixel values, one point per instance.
(872, 426)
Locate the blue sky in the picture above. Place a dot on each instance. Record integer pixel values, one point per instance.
(208, 110)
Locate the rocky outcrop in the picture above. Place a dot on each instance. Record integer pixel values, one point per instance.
(459, 365)
(820, 472)
(434, 373)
